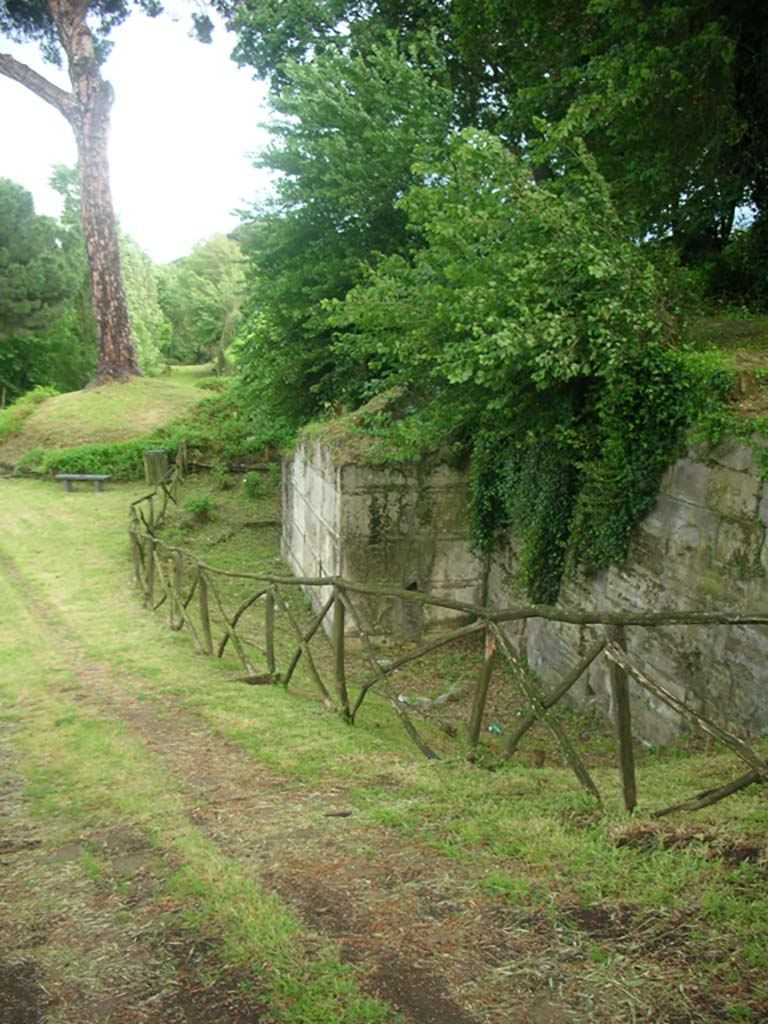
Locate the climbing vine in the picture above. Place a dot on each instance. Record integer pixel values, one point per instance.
(574, 491)
(539, 334)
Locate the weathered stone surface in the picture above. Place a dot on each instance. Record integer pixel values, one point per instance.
(731, 493)
(687, 480)
(734, 455)
(402, 525)
(702, 546)
(762, 508)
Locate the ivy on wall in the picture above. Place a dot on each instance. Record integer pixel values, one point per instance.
(543, 339)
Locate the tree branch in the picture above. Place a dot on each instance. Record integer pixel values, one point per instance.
(36, 83)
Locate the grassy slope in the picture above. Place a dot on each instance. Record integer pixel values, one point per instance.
(107, 414)
(527, 839)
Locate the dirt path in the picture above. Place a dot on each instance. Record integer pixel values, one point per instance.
(101, 947)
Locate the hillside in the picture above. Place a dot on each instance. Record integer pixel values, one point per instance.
(106, 414)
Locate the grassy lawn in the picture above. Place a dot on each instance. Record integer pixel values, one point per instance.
(508, 890)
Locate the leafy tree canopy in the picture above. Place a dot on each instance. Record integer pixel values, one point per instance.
(671, 98)
(201, 297)
(343, 149)
(41, 331)
(151, 329)
(33, 20)
(524, 323)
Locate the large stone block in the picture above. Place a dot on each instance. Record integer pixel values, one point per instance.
(687, 480)
(454, 565)
(734, 455)
(738, 547)
(762, 508)
(731, 493)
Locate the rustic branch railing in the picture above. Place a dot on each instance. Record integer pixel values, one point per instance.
(192, 592)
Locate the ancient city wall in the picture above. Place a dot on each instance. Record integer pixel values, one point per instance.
(702, 547)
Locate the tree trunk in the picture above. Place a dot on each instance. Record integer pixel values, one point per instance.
(87, 109)
(90, 121)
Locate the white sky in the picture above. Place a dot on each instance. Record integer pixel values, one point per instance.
(184, 121)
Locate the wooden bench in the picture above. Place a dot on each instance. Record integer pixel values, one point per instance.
(96, 478)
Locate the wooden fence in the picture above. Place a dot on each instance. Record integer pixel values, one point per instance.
(193, 595)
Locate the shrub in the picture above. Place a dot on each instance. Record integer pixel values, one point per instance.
(200, 510)
(122, 461)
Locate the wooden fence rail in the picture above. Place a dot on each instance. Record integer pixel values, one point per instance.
(192, 591)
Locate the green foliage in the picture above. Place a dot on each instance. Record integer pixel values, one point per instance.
(151, 331)
(345, 135)
(212, 384)
(201, 296)
(44, 337)
(670, 97)
(739, 274)
(235, 425)
(12, 419)
(123, 460)
(23, 20)
(531, 325)
(640, 424)
(666, 95)
(253, 485)
(508, 279)
(200, 509)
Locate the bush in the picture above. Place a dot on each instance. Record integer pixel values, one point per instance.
(122, 461)
(200, 509)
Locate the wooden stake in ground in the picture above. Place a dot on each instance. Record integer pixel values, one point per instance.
(155, 466)
(481, 694)
(622, 717)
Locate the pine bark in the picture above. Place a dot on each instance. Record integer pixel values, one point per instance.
(87, 108)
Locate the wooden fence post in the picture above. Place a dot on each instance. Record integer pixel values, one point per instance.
(269, 629)
(155, 465)
(337, 639)
(205, 615)
(150, 575)
(136, 556)
(172, 591)
(481, 695)
(178, 582)
(622, 717)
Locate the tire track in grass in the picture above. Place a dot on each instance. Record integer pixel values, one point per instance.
(400, 914)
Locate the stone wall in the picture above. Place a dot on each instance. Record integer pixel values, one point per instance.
(404, 525)
(702, 547)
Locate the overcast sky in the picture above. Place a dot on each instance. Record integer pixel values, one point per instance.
(184, 121)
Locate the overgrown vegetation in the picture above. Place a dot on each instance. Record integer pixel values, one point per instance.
(545, 343)
(527, 292)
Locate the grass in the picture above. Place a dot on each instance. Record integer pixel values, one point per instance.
(600, 893)
(730, 330)
(85, 767)
(105, 415)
